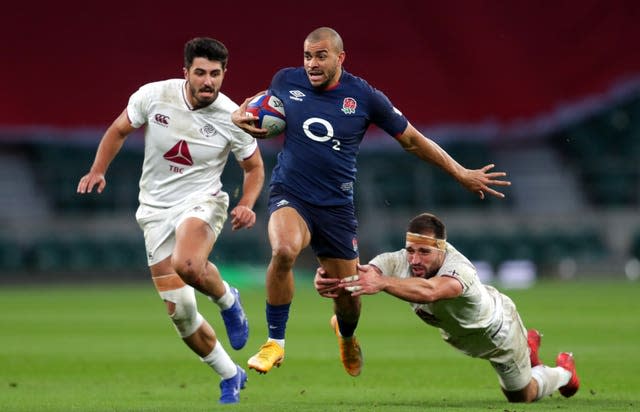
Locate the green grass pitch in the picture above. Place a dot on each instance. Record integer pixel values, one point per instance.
(112, 348)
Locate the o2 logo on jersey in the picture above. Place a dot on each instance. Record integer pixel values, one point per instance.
(308, 128)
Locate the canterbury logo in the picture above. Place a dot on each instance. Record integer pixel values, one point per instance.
(179, 154)
(161, 119)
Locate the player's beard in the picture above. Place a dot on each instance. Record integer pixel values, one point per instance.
(200, 100)
(329, 75)
(425, 272)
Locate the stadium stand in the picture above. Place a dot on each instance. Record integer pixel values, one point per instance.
(604, 151)
(603, 161)
(634, 249)
(569, 138)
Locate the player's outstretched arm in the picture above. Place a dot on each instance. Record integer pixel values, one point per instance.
(108, 148)
(370, 281)
(479, 181)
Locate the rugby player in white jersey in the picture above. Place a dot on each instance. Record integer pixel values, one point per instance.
(442, 287)
(188, 137)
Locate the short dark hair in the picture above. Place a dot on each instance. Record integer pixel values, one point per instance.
(426, 223)
(326, 33)
(206, 47)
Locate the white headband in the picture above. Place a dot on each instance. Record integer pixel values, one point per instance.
(427, 240)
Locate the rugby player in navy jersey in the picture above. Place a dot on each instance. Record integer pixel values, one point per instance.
(328, 111)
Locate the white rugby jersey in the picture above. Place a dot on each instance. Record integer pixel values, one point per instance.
(185, 150)
(469, 322)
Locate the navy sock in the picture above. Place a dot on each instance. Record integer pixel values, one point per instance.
(347, 329)
(277, 316)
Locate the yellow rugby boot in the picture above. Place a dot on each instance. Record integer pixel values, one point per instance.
(350, 352)
(270, 354)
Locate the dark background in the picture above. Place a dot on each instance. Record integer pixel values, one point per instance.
(74, 64)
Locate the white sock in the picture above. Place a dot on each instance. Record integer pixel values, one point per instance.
(278, 341)
(549, 379)
(220, 362)
(225, 301)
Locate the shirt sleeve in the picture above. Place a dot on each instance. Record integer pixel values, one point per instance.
(386, 116)
(138, 107)
(243, 145)
(390, 264)
(457, 266)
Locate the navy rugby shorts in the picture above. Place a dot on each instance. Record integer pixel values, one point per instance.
(333, 228)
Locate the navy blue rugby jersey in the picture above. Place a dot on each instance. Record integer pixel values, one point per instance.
(324, 130)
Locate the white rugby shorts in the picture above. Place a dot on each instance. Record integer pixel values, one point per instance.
(511, 359)
(159, 225)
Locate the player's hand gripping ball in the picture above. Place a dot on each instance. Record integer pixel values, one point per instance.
(268, 112)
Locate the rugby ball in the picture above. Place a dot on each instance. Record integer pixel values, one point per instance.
(268, 112)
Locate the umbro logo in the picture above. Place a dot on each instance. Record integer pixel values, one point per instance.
(179, 154)
(161, 119)
(296, 95)
(283, 202)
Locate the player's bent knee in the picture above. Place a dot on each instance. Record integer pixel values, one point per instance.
(171, 307)
(189, 270)
(183, 310)
(285, 255)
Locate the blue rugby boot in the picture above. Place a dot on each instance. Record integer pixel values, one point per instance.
(230, 388)
(236, 322)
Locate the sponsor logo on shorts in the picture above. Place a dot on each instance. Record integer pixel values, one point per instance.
(502, 367)
(346, 187)
(281, 203)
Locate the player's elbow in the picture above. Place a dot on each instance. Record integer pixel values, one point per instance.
(417, 296)
(425, 298)
(407, 144)
(428, 294)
